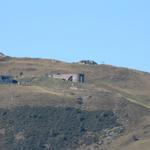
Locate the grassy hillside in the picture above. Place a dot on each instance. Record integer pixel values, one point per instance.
(119, 95)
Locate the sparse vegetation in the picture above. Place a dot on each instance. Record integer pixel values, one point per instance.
(110, 111)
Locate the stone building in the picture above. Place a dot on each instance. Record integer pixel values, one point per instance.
(69, 77)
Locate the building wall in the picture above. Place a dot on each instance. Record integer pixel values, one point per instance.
(81, 78)
(7, 80)
(69, 77)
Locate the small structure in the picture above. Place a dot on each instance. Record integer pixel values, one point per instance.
(69, 77)
(88, 62)
(3, 57)
(1, 54)
(5, 79)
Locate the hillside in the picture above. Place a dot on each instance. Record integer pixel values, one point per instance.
(110, 111)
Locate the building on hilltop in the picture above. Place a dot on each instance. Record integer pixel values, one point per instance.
(88, 62)
(69, 77)
(1, 54)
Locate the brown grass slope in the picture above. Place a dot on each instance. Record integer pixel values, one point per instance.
(124, 91)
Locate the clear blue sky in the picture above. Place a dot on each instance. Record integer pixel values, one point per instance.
(114, 31)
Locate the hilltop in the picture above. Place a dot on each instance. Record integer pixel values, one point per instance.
(110, 111)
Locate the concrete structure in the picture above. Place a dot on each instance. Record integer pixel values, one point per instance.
(88, 62)
(69, 77)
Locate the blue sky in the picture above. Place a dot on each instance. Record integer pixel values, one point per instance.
(116, 32)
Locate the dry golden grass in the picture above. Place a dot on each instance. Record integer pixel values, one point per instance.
(106, 87)
(13, 96)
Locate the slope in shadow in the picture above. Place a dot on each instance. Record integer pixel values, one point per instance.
(56, 128)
